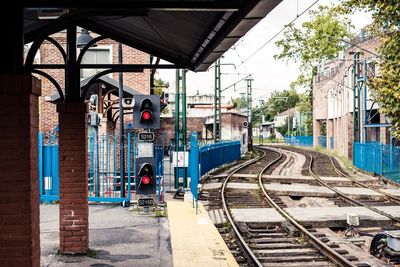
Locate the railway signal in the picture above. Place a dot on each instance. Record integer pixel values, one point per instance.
(145, 180)
(146, 112)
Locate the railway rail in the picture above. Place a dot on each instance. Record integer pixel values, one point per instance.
(253, 241)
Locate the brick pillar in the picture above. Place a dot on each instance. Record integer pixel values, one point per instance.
(74, 227)
(19, 191)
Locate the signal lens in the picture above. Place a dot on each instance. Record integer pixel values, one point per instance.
(145, 180)
(146, 115)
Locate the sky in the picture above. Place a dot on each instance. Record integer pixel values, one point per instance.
(269, 74)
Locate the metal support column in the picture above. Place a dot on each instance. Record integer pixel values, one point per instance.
(356, 99)
(217, 103)
(180, 124)
(249, 107)
(72, 73)
(121, 124)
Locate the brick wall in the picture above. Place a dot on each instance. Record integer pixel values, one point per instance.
(74, 225)
(335, 103)
(19, 192)
(50, 55)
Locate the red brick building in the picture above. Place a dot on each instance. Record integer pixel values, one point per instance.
(333, 100)
(106, 52)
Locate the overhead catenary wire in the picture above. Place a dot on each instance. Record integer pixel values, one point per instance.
(279, 32)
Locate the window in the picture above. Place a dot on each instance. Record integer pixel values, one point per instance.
(95, 56)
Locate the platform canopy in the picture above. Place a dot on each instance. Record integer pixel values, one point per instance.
(190, 34)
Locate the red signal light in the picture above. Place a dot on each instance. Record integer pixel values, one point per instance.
(146, 115)
(145, 180)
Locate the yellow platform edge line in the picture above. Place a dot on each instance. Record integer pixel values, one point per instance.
(195, 240)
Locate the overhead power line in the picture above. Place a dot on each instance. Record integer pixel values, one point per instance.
(273, 37)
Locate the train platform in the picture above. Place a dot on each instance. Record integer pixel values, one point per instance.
(195, 241)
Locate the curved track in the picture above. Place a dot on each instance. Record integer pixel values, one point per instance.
(320, 246)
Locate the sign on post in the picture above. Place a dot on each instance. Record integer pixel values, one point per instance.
(180, 159)
(146, 136)
(145, 202)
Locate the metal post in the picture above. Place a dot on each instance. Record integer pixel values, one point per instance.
(40, 160)
(194, 165)
(177, 107)
(97, 193)
(249, 107)
(183, 130)
(180, 119)
(129, 165)
(72, 75)
(121, 124)
(115, 163)
(356, 99)
(217, 103)
(364, 80)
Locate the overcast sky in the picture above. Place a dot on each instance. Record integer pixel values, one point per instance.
(268, 74)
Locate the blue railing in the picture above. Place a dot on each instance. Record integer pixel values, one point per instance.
(378, 158)
(48, 166)
(215, 155)
(299, 140)
(332, 142)
(322, 141)
(104, 180)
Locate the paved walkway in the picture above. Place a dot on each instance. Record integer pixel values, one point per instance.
(194, 238)
(117, 237)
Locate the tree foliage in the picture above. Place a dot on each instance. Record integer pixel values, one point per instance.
(278, 101)
(386, 87)
(315, 41)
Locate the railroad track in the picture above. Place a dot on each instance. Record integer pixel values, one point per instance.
(328, 166)
(289, 244)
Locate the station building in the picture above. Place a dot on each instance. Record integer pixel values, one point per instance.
(200, 118)
(106, 88)
(343, 109)
(199, 107)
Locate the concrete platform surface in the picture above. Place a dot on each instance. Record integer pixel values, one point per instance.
(357, 191)
(333, 214)
(194, 238)
(392, 210)
(257, 215)
(211, 186)
(393, 192)
(316, 216)
(299, 190)
(117, 237)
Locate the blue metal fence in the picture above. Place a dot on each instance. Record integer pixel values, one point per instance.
(331, 142)
(104, 181)
(48, 166)
(378, 158)
(299, 140)
(322, 141)
(214, 155)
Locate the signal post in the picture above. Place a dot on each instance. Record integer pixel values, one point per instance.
(146, 117)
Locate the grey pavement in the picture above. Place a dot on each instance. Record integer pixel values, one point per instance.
(117, 237)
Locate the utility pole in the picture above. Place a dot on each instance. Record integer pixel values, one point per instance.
(249, 107)
(217, 103)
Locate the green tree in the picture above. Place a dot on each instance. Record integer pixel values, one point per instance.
(239, 103)
(317, 40)
(386, 87)
(283, 130)
(278, 101)
(304, 106)
(159, 87)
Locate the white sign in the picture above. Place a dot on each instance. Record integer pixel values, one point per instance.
(145, 150)
(180, 160)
